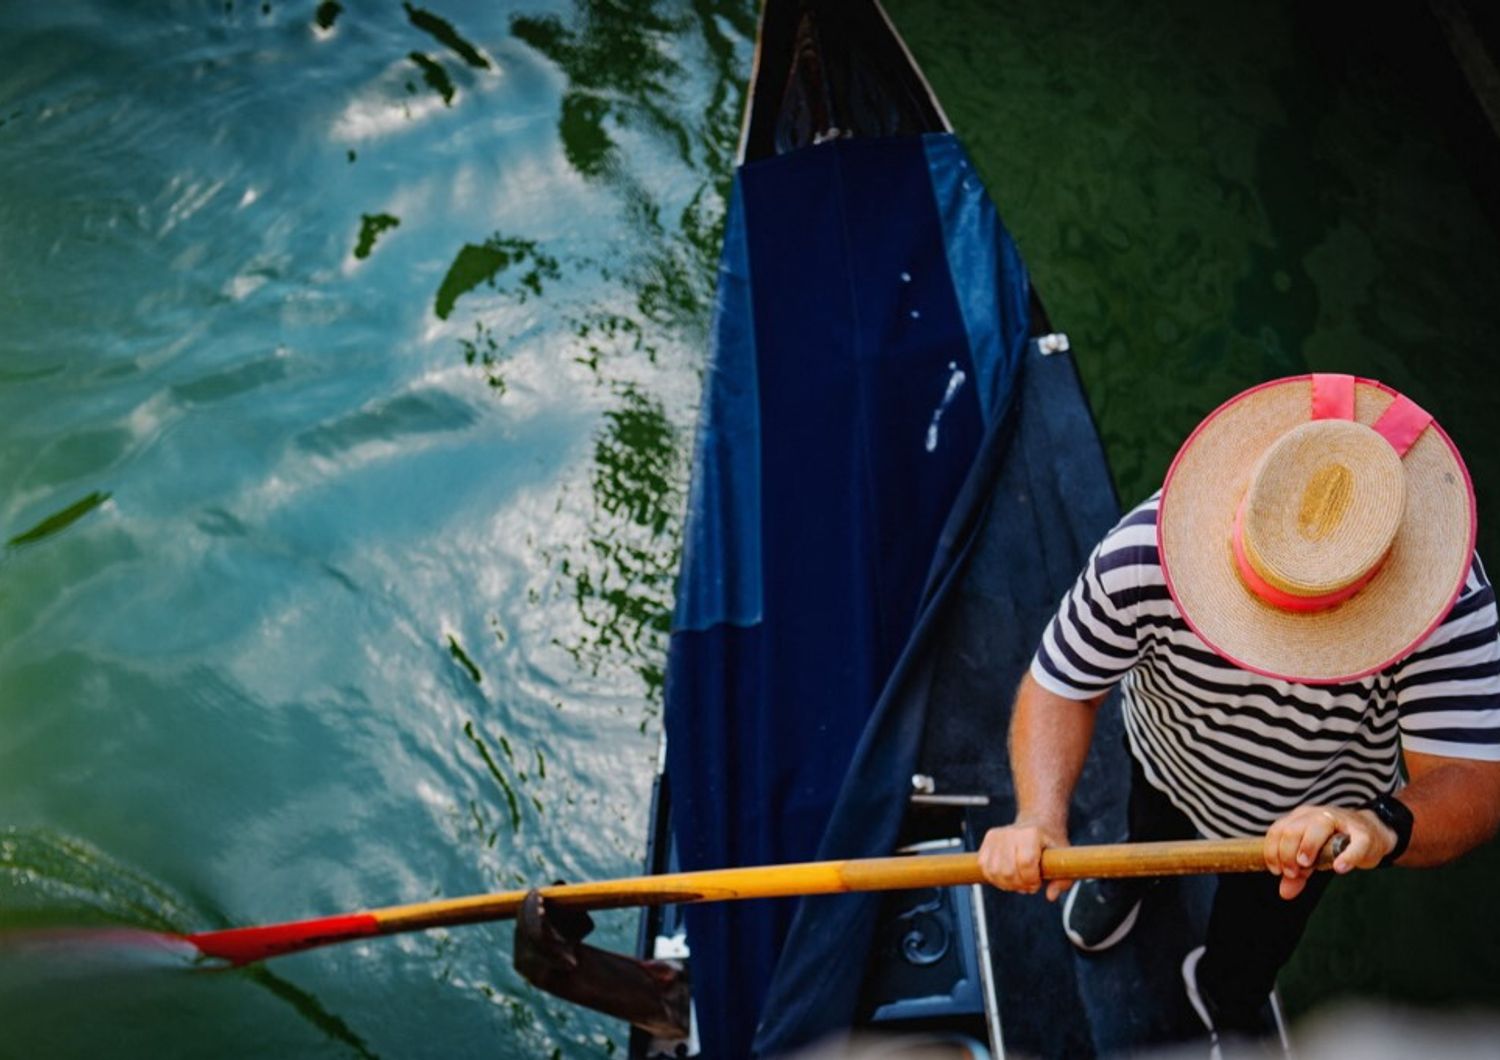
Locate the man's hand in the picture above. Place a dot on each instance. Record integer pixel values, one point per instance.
(1292, 843)
(1011, 857)
(1049, 740)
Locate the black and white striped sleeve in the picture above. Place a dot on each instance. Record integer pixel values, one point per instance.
(1448, 690)
(1092, 641)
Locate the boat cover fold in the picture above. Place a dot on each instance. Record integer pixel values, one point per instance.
(858, 405)
(1037, 500)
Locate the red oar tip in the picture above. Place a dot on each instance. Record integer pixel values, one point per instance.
(250, 944)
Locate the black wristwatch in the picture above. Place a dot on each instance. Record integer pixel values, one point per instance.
(1394, 814)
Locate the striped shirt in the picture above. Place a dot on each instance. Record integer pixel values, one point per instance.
(1235, 750)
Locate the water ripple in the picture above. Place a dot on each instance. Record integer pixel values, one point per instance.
(345, 410)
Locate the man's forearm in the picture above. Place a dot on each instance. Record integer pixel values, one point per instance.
(1454, 803)
(1455, 806)
(1049, 741)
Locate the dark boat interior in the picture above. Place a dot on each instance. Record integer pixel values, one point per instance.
(832, 68)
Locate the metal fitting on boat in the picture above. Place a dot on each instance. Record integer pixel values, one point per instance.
(1056, 342)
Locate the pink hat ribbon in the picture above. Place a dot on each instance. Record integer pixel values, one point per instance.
(1400, 424)
(1333, 399)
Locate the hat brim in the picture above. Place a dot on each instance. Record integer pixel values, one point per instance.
(1408, 597)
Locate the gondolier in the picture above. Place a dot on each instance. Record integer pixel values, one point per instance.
(1296, 611)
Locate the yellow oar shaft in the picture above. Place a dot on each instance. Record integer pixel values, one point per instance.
(836, 877)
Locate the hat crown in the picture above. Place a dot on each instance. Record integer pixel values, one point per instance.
(1324, 504)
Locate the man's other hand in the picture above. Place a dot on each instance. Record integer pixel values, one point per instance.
(1292, 843)
(1011, 857)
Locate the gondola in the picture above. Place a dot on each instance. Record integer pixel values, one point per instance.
(896, 477)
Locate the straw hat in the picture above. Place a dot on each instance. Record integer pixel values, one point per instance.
(1316, 528)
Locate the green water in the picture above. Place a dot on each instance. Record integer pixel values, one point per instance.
(345, 382)
(349, 365)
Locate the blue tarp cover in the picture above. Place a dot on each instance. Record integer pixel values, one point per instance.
(872, 316)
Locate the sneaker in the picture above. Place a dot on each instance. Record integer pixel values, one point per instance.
(1258, 1034)
(1099, 913)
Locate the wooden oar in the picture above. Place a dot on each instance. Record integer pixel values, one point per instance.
(249, 944)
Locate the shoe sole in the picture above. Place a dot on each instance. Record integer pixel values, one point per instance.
(1112, 939)
(1281, 1032)
(1190, 985)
